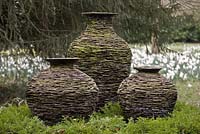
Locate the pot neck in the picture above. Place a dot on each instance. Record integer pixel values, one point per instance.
(66, 62)
(99, 18)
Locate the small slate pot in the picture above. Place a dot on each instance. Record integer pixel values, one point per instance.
(61, 90)
(147, 94)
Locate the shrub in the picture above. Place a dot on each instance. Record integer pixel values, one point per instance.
(109, 110)
(18, 120)
(184, 120)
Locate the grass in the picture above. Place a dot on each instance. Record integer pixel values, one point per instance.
(189, 91)
(178, 46)
(181, 46)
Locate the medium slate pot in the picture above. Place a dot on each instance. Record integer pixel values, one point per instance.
(61, 90)
(147, 94)
(103, 55)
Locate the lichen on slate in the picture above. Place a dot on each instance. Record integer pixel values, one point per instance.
(103, 55)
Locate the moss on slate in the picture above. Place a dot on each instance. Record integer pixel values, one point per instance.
(103, 55)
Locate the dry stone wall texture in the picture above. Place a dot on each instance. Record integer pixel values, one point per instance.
(61, 91)
(103, 55)
(147, 95)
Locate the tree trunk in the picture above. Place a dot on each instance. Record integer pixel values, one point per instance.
(154, 37)
(155, 44)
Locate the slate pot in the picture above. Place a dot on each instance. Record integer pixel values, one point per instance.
(147, 94)
(103, 55)
(61, 90)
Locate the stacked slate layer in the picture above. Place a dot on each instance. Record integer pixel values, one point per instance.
(103, 55)
(147, 94)
(61, 91)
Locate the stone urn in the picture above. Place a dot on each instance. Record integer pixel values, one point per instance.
(147, 94)
(103, 55)
(61, 90)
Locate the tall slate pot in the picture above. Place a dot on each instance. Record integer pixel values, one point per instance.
(103, 55)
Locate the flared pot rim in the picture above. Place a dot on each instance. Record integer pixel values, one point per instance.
(148, 69)
(99, 13)
(62, 61)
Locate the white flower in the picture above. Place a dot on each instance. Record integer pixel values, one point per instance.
(189, 85)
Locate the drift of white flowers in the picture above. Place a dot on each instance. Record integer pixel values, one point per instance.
(175, 65)
(20, 67)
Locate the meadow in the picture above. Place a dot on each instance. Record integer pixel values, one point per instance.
(182, 67)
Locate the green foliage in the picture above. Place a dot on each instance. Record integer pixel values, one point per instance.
(40, 24)
(107, 121)
(104, 125)
(18, 120)
(184, 120)
(109, 110)
(185, 29)
(140, 18)
(76, 126)
(149, 126)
